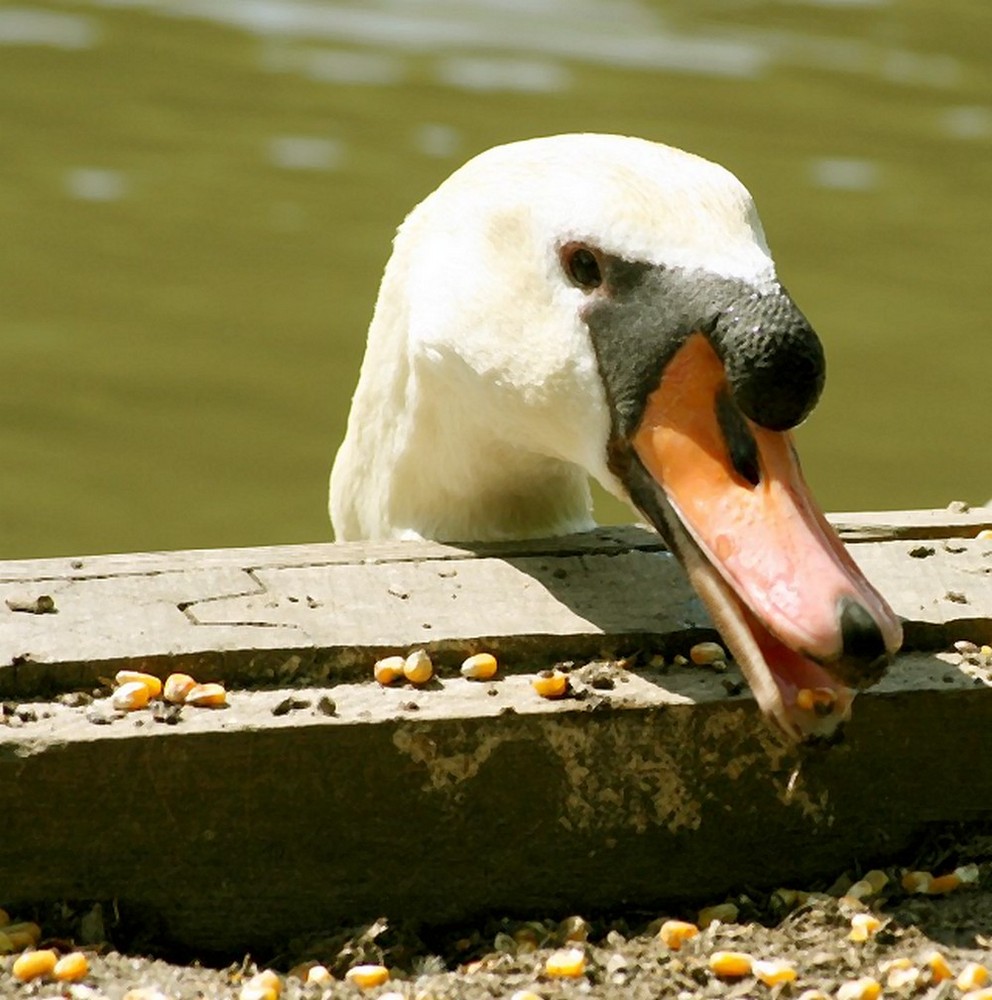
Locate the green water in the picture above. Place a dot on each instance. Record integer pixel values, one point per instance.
(197, 199)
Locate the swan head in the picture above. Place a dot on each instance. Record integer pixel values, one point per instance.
(595, 305)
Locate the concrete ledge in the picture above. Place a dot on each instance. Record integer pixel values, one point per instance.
(274, 818)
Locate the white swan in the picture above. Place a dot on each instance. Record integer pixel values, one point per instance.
(597, 305)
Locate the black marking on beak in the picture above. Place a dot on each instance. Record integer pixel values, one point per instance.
(860, 633)
(741, 446)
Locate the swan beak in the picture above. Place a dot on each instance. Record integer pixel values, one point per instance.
(801, 620)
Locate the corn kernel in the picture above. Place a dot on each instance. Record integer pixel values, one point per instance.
(254, 990)
(985, 994)
(574, 928)
(916, 881)
(985, 535)
(731, 964)
(863, 926)
(550, 683)
(939, 968)
(526, 995)
(320, 975)
(480, 667)
(417, 667)
(392, 995)
(130, 697)
(268, 978)
(674, 933)
(814, 995)
(389, 670)
(704, 653)
(25, 934)
(943, 883)
(176, 687)
(569, 963)
(773, 971)
(819, 700)
(877, 879)
(865, 988)
(900, 977)
(726, 913)
(33, 965)
(153, 683)
(367, 976)
(861, 889)
(145, 993)
(973, 976)
(968, 874)
(207, 696)
(71, 967)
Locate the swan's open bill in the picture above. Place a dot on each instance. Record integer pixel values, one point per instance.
(594, 305)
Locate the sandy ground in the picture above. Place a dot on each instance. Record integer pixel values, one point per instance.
(623, 957)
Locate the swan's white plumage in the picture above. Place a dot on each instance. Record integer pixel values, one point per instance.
(480, 412)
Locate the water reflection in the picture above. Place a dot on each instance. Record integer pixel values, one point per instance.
(199, 197)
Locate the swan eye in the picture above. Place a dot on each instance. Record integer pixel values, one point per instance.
(582, 267)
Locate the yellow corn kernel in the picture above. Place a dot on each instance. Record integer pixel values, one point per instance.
(550, 683)
(206, 696)
(268, 978)
(253, 990)
(726, 913)
(863, 926)
(731, 964)
(968, 874)
(526, 995)
(33, 965)
(939, 968)
(176, 687)
(674, 933)
(865, 988)
(820, 700)
(389, 670)
(417, 667)
(320, 975)
(568, 963)
(916, 881)
(574, 928)
(985, 535)
(367, 976)
(773, 971)
(877, 879)
(861, 889)
(900, 977)
(985, 994)
(973, 976)
(153, 683)
(25, 934)
(943, 883)
(480, 667)
(131, 696)
(71, 967)
(704, 653)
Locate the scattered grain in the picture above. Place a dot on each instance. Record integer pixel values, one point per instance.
(773, 971)
(417, 667)
(865, 988)
(726, 913)
(153, 683)
(72, 967)
(704, 653)
(550, 684)
(176, 687)
(972, 977)
(389, 670)
(569, 963)
(367, 976)
(674, 933)
(130, 697)
(34, 965)
(731, 964)
(480, 667)
(207, 696)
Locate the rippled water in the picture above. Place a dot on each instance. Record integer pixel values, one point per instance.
(197, 198)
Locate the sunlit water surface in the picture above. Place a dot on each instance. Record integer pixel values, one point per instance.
(197, 199)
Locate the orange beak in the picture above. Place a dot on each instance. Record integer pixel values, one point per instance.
(801, 620)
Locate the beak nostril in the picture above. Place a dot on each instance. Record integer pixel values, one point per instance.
(862, 637)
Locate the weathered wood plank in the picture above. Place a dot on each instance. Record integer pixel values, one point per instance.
(237, 825)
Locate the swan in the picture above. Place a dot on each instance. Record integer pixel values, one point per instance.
(604, 306)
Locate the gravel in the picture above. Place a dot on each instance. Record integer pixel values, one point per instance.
(624, 956)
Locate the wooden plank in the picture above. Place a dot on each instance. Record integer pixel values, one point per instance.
(284, 820)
